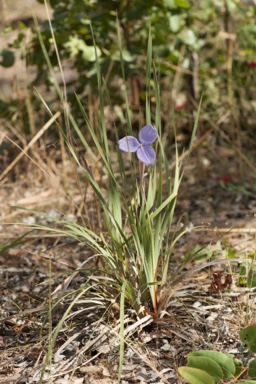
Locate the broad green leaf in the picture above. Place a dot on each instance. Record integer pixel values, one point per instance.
(176, 22)
(77, 46)
(7, 59)
(231, 5)
(188, 37)
(239, 367)
(226, 362)
(248, 336)
(206, 364)
(182, 4)
(199, 253)
(127, 56)
(88, 53)
(169, 3)
(195, 375)
(252, 368)
(230, 253)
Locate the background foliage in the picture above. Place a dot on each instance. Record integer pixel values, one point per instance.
(206, 46)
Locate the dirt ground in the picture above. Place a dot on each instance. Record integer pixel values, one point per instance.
(16, 78)
(86, 350)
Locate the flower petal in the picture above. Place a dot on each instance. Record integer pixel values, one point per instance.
(147, 134)
(146, 155)
(129, 144)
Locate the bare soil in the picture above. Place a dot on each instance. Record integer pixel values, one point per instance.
(86, 349)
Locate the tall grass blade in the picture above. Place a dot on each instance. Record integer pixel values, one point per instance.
(121, 333)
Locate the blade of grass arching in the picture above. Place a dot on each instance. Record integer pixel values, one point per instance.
(114, 201)
(62, 95)
(177, 181)
(24, 151)
(18, 241)
(163, 205)
(48, 61)
(43, 101)
(95, 139)
(121, 332)
(151, 192)
(102, 123)
(107, 163)
(127, 107)
(195, 126)
(143, 237)
(169, 214)
(168, 178)
(121, 167)
(158, 102)
(179, 171)
(155, 254)
(159, 143)
(120, 47)
(73, 230)
(57, 330)
(81, 137)
(114, 207)
(148, 77)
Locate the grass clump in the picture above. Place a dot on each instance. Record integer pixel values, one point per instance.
(138, 238)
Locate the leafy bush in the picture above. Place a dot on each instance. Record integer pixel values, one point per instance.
(207, 47)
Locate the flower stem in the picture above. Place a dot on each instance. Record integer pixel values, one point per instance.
(142, 170)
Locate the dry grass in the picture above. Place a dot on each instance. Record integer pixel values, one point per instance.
(86, 348)
(41, 279)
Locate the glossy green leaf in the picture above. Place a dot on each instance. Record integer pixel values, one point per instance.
(195, 375)
(182, 4)
(206, 364)
(226, 362)
(252, 368)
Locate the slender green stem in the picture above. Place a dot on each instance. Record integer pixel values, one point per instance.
(142, 182)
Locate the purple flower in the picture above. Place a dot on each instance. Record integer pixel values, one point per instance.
(145, 153)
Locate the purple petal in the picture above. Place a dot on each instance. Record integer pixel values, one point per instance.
(128, 144)
(146, 155)
(147, 135)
